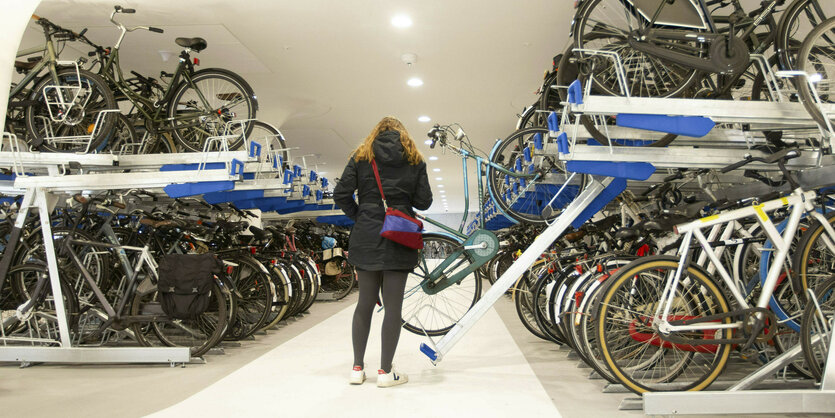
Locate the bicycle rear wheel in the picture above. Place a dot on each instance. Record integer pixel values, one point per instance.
(815, 323)
(817, 58)
(65, 128)
(41, 319)
(252, 285)
(199, 334)
(635, 351)
(202, 108)
(607, 25)
(523, 299)
(437, 314)
(524, 198)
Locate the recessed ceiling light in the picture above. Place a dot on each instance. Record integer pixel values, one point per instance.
(429, 142)
(440, 185)
(433, 158)
(436, 169)
(401, 21)
(415, 82)
(424, 119)
(439, 178)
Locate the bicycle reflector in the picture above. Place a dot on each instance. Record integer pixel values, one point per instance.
(229, 269)
(196, 61)
(252, 250)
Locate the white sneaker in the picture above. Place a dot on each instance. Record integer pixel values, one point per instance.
(357, 376)
(387, 380)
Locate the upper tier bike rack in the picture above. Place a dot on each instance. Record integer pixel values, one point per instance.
(722, 146)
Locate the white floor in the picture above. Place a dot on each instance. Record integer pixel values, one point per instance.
(307, 376)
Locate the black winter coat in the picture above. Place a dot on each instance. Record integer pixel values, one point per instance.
(405, 186)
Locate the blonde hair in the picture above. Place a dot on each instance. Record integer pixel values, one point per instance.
(365, 152)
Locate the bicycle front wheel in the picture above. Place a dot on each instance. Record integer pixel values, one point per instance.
(817, 58)
(606, 25)
(199, 334)
(437, 314)
(68, 117)
(520, 196)
(818, 323)
(635, 351)
(202, 109)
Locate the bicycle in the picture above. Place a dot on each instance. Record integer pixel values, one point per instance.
(447, 280)
(671, 49)
(63, 108)
(664, 319)
(130, 304)
(194, 105)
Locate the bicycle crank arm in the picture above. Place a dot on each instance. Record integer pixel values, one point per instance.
(439, 280)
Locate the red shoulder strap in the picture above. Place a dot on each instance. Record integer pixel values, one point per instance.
(379, 183)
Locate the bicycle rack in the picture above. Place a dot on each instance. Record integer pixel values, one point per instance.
(737, 129)
(62, 106)
(77, 139)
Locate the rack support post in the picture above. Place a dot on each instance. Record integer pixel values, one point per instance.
(531, 254)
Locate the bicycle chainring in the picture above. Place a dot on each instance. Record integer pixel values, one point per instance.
(737, 61)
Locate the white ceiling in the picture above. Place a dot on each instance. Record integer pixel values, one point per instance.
(326, 71)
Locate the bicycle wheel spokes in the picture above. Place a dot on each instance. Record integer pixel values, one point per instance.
(818, 323)
(438, 313)
(636, 352)
(202, 110)
(605, 25)
(817, 58)
(523, 197)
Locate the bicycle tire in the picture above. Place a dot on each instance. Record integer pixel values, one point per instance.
(523, 199)
(281, 299)
(584, 39)
(199, 334)
(704, 299)
(215, 118)
(523, 300)
(456, 299)
(81, 122)
(810, 258)
(315, 281)
(540, 291)
(123, 140)
(793, 27)
(251, 281)
(270, 139)
(815, 58)
(816, 354)
(43, 318)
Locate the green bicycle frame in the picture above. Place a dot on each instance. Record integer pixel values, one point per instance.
(49, 60)
(111, 70)
(438, 279)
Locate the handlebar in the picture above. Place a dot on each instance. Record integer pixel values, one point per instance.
(123, 28)
(779, 157)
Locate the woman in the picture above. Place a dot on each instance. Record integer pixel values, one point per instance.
(379, 260)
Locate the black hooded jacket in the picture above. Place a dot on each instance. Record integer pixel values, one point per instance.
(406, 186)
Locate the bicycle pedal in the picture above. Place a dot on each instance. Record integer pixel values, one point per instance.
(751, 355)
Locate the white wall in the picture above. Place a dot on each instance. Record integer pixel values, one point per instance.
(13, 20)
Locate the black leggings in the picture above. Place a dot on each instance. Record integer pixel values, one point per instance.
(370, 283)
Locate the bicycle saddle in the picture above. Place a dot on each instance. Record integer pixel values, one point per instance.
(196, 44)
(665, 223)
(258, 233)
(155, 223)
(628, 234)
(27, 65)
(575, 236)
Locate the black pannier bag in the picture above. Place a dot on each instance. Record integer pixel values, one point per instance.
(185, 282)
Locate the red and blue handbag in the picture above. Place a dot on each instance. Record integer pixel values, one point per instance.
(399, 226)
